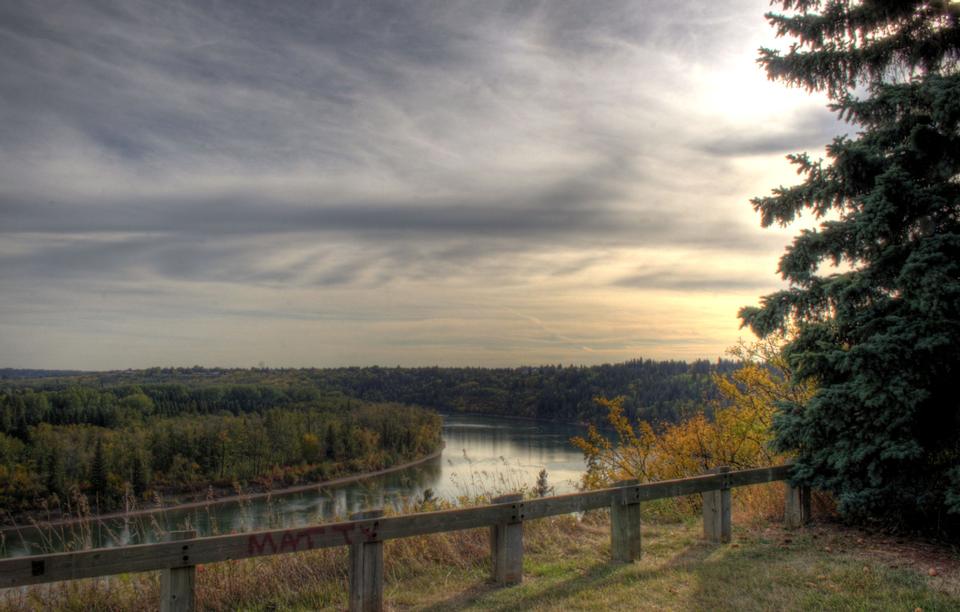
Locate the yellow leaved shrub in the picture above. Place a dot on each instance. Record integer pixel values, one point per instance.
(734, 431)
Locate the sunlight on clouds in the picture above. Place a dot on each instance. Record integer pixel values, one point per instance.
(560, 307)
(491, 184)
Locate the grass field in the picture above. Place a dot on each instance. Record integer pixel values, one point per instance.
(820, 569)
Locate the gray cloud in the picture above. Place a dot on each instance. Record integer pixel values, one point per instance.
(557, 214)
(808, 132)
(684, 280)
(167, 153)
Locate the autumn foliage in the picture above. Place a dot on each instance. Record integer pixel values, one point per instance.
(734, 431)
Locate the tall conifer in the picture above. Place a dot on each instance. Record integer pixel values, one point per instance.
(138, 475)
(98, 470)
(880, 330)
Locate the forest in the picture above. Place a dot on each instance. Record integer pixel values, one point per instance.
(123, 437)
(120, 444)
(652, 390)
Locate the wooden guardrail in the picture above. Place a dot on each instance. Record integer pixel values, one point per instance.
(366, 531)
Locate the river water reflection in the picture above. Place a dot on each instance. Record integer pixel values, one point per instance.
(482, 455)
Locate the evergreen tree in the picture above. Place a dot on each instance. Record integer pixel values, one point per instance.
(331, 443)
(542, 488)
(6, 417)
(55, 474)
(880, 332)
(98, 470)
(138, 475)
(22, 428)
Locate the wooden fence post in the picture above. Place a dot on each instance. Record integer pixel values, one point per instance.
(625, 524)
(177, 584)
(366, 566)
(506, 543)
(797, 507)
(716, 511)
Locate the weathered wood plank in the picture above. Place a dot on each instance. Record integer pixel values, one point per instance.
(178, 584)
(446, 520)
(625, 527)
(506, 543)
(366, 569)
(146, 557)
(591, 500)
(717, 512)
(797, 507)
(754, 476)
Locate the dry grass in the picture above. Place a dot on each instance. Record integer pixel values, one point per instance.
(764, 569)
(309, 580)
(567, 567)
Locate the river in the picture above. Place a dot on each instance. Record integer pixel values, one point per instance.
(481, 455)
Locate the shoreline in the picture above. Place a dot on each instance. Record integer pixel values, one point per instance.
(513, 417)
(225, 499)
(231, 498)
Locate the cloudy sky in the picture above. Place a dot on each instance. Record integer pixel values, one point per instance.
(398, 183)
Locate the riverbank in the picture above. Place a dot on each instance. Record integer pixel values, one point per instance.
(510, 417)
(217, 496)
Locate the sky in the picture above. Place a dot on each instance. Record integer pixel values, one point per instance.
(322, 183)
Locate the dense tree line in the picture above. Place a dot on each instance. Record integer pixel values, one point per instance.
(71, 403)
(130, 442)
(652, 390)
(12, 373)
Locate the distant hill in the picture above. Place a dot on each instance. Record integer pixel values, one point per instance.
(653, 390)
(12, 373)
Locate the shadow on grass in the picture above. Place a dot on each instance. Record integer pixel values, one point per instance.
(596, 576)
(601, 575)
(464, 599)
(755, 573)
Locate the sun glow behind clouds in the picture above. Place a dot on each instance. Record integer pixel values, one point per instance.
(490, 184)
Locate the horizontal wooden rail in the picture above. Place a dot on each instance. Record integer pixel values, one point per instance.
(371, 528)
